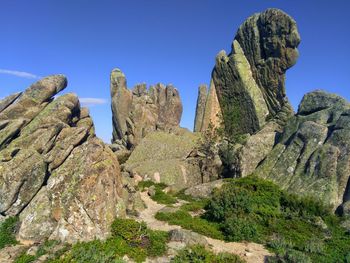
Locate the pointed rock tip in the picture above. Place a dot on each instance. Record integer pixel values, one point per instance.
(59, 81)
(221, 56)
(117, 72)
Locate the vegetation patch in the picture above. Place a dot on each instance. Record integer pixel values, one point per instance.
(196, 224)
(297, 229)
(8, 232)
(128, 237)
(160, 196)
(198, 254)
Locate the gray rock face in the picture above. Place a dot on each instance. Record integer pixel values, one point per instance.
(188, 237)
(164, 158)
(61, 180)
(4, 103)
(270, 40)
(200, 108)
(312, 156)
(139, 111)
(255, 149)
(250, 80)
(204, 190)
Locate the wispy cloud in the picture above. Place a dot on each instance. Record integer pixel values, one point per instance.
(92, 101)
(20, 74)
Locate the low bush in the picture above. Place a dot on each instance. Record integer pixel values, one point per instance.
(128, 229)
(197, 224)
(163, 198)
(24, 258)
(237, 229)
(160, 196)
(128, 238)
(195, 206)
(297, 229)
(198, 254)
(8, 232)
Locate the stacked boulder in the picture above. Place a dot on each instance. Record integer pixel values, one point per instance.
(55, 174)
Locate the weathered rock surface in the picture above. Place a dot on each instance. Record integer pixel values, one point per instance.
(163, 157)
(204, 190)
(139, 111)
(10, 254)
(61, 180)
(208, 111)
(188, 237)
(312, 156)
(249, 82)
(172, 158)
(255, 149)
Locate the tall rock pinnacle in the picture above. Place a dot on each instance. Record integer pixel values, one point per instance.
(250, 81)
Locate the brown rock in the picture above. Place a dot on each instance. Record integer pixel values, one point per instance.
(137, 112)
(208, 111)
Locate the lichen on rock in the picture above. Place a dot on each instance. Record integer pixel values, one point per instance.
(62, 181)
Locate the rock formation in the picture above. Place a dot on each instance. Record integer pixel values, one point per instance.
(139, 111)
(208, 111)
(61, 180)
(172, 158)
(249, 82)
(312, 156)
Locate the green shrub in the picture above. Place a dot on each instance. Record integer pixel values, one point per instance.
(160, 196)
(237, 229)
(163, 198)
(45, 247)
(145, 184)
(198, 254)
(279, 244)
(8, 230)
(247, 196)
(347, 258)
(289, 256)
(128, 229)
(158, 240)
(181, 195)
(25, 258)
(153, 243)
(304, 207)
(196, 224)
(195, 206)
(128, 238)
(94, 252)
(148, 183)
(314, 245)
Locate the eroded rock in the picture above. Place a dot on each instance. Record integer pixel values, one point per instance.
(139, 111)
(162, 157)
(250, 81)
(312, 156)
(62, 181)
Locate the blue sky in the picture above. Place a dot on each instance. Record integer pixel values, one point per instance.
(155, 41)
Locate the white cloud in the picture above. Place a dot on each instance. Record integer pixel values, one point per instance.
(20, 74)
(92, 101)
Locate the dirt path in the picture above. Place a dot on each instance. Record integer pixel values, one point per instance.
(148, 215)
(250, 252)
